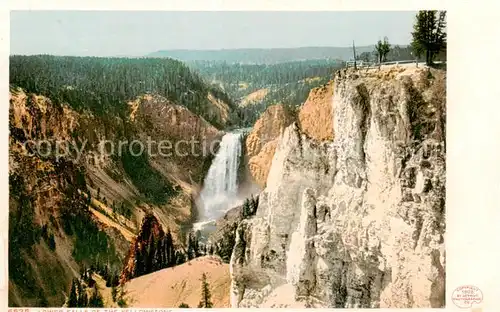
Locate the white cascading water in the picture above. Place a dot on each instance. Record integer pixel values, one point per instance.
(220, 188)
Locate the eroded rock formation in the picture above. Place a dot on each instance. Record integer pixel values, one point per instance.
(261, 142)
(357, 222)
(151, 250)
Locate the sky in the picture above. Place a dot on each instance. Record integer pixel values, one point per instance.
(129, 33)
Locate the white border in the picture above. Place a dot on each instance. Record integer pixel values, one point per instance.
(473, 119)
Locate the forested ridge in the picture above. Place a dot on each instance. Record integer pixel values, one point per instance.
(287, 83)
(259, 76)
(104, 85)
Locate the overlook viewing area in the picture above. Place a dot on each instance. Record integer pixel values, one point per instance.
(372, 65)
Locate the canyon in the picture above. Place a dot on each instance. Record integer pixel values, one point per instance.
(347, 196)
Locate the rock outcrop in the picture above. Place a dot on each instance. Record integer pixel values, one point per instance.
(358, 222)
(223, 238)
(151, 250)
(262, 140)
(316, 115)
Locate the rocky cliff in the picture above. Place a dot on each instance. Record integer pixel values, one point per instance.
(262, 140)
(316, 117)
(150, 251)
(358, 222)
(70, 211)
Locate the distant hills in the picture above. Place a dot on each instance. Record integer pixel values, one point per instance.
(263, 56)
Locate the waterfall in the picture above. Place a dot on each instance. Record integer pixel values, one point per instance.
(220, 188)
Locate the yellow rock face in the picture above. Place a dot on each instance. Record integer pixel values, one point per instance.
(316, 115)
(315, 119)
(262, 141)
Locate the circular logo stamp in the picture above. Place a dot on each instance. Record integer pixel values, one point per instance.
(467, 295)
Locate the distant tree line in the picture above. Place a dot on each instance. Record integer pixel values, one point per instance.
(250, 77)
(287, 83)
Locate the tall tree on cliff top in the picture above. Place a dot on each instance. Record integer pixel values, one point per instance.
(379, 50)
(382, 48)
(429, 34)
(386, 48)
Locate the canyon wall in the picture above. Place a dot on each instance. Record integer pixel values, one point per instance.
(315, 116)
(261, 142)
(314, 119)
(359, 221)
(68, 212)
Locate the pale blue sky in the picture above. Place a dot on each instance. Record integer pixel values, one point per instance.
(111, 33)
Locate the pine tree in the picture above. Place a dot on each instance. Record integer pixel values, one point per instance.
(386, 48)
(114, 292)
(105, 273)
(95, 300)
(82, 295)
(83, 272)
(254, 204)
(196, 242)
(205, 301)
(180, 257)
(190, 247)
(73, 299)
(379, 50)
(138, 269)
(429, 34)
(183, 305)
(84, 299)
(382, 49)
(246, 208)
(170, 250)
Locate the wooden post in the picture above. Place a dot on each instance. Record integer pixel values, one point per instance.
(354, 52)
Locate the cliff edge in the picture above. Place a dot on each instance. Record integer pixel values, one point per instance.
(358, 222)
